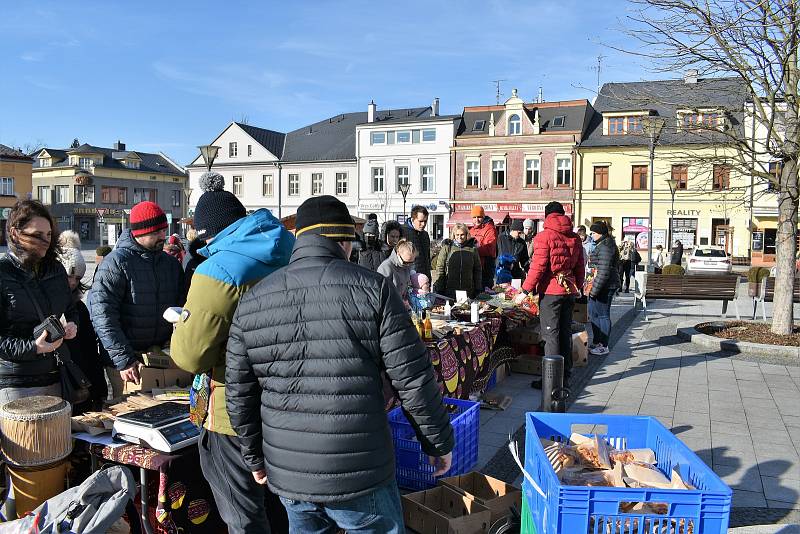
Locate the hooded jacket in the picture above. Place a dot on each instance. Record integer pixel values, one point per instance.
(486, 236)
(517, 248)
(557, 251)
(458, 268)
(307, 350)
(238, 258)
(605, 260)
(422, 242)
(398, 274)
(20, 365)
(132, 288)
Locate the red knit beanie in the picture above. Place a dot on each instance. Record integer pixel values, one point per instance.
(146, 218)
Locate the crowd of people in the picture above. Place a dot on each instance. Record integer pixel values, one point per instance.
(291, 337)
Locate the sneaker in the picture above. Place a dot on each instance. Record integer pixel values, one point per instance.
(599, 350)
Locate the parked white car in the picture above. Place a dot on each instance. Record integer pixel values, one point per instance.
(709, 260)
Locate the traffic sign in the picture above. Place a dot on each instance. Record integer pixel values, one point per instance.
(101, 212)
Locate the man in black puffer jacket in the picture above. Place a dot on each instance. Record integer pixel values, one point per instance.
(307, 349)
(414, 231)
(132, 288)
(604, 260)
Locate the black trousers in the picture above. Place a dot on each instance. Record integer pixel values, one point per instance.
(555, 317)
(625, 274)
(244, 505)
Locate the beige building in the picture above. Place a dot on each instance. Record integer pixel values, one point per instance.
(15, 183)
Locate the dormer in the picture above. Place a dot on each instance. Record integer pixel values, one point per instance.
(688, 119)
(85, 157)
(131, 160)
(44, 158)
(514, 113)
(625, 122)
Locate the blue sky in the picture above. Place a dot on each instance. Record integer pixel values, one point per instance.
(167, 76)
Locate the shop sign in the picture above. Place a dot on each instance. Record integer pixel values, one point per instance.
(638, 230)
(686, 238)
(532, 209)
(758, 241)
(64, 219)
(684, 213)
(370, 206)
(432, 207)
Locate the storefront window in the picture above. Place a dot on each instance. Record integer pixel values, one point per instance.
(770, 236)
(685, 231)
(637, 230)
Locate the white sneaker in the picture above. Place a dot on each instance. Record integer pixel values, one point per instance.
(599, 350)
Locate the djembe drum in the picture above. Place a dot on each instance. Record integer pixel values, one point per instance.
(36, 437)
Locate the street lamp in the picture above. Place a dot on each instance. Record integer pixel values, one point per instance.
(209, 153)
(404, 187)
(673, 188)
(652, 126)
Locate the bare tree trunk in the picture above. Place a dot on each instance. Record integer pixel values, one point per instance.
(786, 248)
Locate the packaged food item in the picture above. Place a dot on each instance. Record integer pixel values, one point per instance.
(578, 476)
(594, 453)
(644, 475)
(629, 456)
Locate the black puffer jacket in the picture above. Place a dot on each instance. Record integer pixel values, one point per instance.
(132, 288)
(517, 248)
(306, 353)
(372, 257)
(20, 366)
(605, 260)
(422, 242)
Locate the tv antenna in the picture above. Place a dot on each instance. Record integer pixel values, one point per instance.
(497, 89)
(598, 68)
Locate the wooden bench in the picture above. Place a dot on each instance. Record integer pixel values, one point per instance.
(724, 287)
(767, 294)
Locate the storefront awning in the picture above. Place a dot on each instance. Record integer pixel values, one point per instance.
(465, 217)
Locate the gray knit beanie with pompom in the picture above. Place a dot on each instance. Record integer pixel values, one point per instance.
(216, 209)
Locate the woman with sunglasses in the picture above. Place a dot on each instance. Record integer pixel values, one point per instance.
(33, 286)
(399, 266)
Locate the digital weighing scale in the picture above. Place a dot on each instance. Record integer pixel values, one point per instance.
(164, 427)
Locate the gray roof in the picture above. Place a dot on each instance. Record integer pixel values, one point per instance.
(664, 98)
(576, 117)
(149, 163)
(12, 153)
(269, 139)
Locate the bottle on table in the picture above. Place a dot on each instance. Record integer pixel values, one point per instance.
(427, 327)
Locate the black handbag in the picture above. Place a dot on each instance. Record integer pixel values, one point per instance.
(74, 384)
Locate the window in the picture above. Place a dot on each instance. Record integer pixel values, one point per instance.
(45, 162)
(149, 195)
(601, 178)
(249, 150)
(404, 137)
(341, 183)
(681, 174)
(616, 125)
(233, 149)
(532, 173)
(428, 178)
(176, 198)
(377, 179)
(498, 173)
(478, 126)
(237, 186)
(114, 195)
(85, 163)
(690, 120)
(377, 138)
(722, 177)
(294, 185)
(402, 176)
(639, 177)
(558, 122)
(316, 183)
(131, 164)
(84, 194)
(44, 194)
(6, 187)
(62, 194)
(635, 125)
(514, 125)
(563, 172)
(428, 135)
(473, 174)
(266, 185)
(711, 120)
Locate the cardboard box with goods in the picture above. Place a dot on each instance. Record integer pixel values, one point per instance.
(580, 313)
(442, 510)
(155, 378)
(527, 364)
(494, 494)
(524, 336)
(580, 349)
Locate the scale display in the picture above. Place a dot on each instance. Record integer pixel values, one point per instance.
(165, 427)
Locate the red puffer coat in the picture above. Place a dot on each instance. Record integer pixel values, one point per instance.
(557, 266)
(486, 236)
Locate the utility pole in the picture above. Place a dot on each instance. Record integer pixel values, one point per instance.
(497, 89)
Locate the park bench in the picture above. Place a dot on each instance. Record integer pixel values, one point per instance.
(722, 287)
(767, 294)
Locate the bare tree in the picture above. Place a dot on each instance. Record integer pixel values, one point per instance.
(756, 42)
(31, 147)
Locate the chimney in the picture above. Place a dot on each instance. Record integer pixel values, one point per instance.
(371, 108)
(119, 146)
(541, 95)
(435, 107)
(690, 76)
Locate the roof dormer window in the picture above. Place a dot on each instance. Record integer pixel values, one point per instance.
(479, 126)
(85, 163)
(558, 122)
(45, 162)
(700, 119)
(514, 125)
(131, 163)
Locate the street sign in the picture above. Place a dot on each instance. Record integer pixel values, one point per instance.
(169, 218)
(101, 212)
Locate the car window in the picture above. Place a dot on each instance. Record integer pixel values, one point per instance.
(710, 253)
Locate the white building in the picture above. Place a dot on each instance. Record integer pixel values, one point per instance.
(405, 146)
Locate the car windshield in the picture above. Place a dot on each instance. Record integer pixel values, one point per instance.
(710, 253)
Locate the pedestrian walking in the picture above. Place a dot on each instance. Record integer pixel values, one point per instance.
(604, 262)
(414, 231)
(132, 288)
(305, 357)
(659, 260)
(676, 256)
(242, 249)
(485, 233)
(513, 244)
(397, 268)
(458, 267)
(556, 274)
(626, 256)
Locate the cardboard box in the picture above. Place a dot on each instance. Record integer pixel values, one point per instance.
(580, 313)
(151, 377)
(580, 349)
(177, 378)
(524, 336)
(442, 510)
(494, 494)
(527, 364)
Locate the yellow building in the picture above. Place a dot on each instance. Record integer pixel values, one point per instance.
(710, 204)
(15, 183)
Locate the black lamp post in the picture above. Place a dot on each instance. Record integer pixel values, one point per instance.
(404, 187)
(209, 153)
(652, 126)
(673, 188)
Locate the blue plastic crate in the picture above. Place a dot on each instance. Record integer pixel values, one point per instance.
(579, 509)
(413, 470)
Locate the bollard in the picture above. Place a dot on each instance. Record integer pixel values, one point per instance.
(554, 394)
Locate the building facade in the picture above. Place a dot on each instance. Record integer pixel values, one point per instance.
(405, 147)
(15, 183)
(514, 158)
(709, 205)
(91, 189)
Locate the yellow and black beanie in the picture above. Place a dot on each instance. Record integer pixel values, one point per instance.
(326, 216)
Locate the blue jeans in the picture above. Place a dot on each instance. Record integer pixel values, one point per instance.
(600, 316)
(378, 512)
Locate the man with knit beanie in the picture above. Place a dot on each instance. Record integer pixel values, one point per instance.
(513, 244)
(241, 250)
(556, 274)
(485, 233)
(132, 287)
(306, 354)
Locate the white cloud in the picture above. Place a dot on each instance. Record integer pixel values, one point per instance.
(32, 56)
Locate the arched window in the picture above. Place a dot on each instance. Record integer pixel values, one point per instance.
(514, 125)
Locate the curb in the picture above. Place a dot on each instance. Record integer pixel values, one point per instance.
(692, 335)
